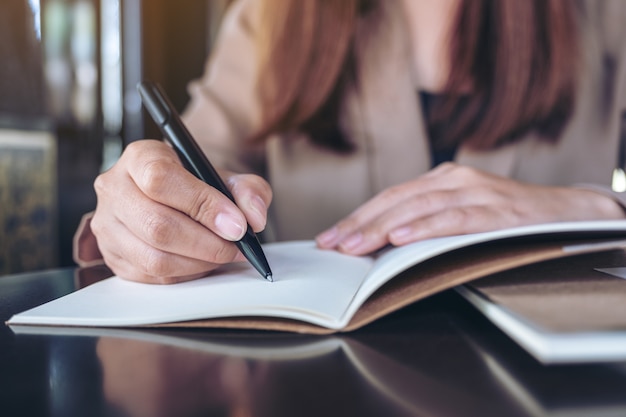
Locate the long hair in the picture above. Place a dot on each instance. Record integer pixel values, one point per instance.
(520, 57)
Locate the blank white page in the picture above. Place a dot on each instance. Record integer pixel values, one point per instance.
(309, 284)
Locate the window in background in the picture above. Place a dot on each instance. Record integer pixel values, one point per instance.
(111, 69)
(68, 104)
(28, 211)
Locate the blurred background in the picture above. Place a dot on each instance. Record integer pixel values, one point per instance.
(68, 105)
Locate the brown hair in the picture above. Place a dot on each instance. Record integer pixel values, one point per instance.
(530, 48)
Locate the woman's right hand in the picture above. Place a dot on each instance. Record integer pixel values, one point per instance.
(155, 222)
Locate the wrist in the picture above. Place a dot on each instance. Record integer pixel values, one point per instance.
(595, 204)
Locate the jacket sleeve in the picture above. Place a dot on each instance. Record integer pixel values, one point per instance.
(224, 110)
(85, 246)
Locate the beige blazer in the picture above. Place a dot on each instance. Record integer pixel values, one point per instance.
(313, 188)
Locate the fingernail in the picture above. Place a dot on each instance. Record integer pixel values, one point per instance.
(229, 226)
(352, 241)
(328, 238)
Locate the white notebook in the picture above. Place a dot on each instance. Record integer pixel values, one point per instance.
(321, 291)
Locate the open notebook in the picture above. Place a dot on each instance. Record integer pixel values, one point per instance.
(318, 291)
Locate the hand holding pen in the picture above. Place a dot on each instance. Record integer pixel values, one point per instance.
(165, 116)
(155, 222)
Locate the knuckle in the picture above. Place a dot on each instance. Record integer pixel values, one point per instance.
(222, 253)
(392, 193)
(202, 206)
(95, 225)
(100, 184)
(104, 185)
(424, 202)
(136, 151)
(462, 172)
(115, 262)
(155, 264)
(484, 196)
(154, 175)
(447, 165)
(159, 230)
(133, 148)
(459, 217)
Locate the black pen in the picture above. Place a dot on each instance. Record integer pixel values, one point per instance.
(165, 116)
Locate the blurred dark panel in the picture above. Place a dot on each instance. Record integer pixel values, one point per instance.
(167, 42)
(21, 71)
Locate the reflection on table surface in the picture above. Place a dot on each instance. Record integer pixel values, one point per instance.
(438, 357)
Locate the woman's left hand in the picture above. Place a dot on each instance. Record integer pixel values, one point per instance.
(453, 199)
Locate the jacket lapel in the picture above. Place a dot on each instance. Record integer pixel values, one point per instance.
(394, 136)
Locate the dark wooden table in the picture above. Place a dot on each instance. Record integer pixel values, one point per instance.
(438, 357)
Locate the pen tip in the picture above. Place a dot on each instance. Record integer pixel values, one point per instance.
(269, 277)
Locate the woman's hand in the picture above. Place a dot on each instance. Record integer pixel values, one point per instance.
(453, 199)
(155, 222)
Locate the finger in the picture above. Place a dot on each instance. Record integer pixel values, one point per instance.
(158, 174)
(447, 176)
(347, 230)
(132, 259)
(253, 196)
(442, 169)
(151, 265)
(397, 218)
(157, 225)
(454, 221)
(400, 223)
